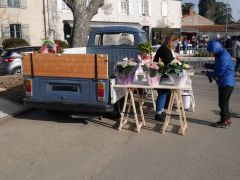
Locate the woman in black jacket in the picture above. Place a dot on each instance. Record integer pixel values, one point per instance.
(165, 54)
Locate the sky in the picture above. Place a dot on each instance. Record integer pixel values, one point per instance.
(233, 3)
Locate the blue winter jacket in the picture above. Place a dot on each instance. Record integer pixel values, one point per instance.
(223, 66)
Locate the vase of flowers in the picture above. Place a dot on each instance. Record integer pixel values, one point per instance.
(153, 71)
(49, 46)
(176, 72)
(125, 71)
(145, 50)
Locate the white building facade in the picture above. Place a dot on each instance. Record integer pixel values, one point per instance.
(22, 19)
(56, 20)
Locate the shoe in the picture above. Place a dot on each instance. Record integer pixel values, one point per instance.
(223, 124)
(160, 117)
(229, 122)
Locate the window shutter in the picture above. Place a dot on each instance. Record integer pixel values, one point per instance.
(130, 10)
(149, 8)
(140, 7)
(5, 31)
(23, 4)
(3, 3)
(25, 32)
(119, 7)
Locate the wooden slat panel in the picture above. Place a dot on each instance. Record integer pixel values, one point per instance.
(66, 65)
(26, 65)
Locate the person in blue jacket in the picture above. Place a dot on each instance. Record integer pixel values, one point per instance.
(224, 75)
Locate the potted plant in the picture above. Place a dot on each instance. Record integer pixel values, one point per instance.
(176, 72)
(153, 71)
(49, 46)
(125, 71)
(145, 50)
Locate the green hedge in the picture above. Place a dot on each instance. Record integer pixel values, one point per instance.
(61, 43)
(14, 42)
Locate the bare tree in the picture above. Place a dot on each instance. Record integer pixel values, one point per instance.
(83, 11)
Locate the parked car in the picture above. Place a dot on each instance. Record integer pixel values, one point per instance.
(11, 59)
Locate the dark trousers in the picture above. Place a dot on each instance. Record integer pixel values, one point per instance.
(224, 94)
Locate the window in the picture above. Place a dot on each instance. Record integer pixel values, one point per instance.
(145, 8)
(164, 8)
(15, 31)
(14, 3)
(114, 39)
(124, 7)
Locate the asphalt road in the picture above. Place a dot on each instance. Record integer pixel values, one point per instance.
(38, 146)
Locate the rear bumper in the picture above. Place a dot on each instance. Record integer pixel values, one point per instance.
(84, 108)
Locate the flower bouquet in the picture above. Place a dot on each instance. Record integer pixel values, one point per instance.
(154, 71)
(176, 72)
(145, 50)
(49, 46)
(125, 71)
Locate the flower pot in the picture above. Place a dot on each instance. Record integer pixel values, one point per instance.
(153, 81)
(177, 80)
(125, 79)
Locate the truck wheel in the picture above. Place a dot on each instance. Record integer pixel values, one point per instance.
(16, 71)
(117, 109)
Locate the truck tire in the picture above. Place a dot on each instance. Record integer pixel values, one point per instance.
(16, 71)
(117, 110)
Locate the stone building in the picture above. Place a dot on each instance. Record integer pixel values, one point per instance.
(36, 19)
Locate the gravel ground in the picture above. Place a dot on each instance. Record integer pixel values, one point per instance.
(11, 87)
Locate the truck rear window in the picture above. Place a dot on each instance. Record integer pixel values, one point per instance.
(114, 39)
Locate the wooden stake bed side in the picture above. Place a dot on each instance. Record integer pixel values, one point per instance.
(66, 65)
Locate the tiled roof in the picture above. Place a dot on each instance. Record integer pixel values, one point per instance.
(196, 20)
(212, 28)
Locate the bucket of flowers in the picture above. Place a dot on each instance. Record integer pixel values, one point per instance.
(153, 72)
(176, 72)
(49, 46)
(125, 71)
(145, 50)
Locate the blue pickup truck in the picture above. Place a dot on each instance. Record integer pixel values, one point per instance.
(85, 95)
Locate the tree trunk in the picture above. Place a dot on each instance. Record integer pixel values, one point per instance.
(82, 13)
(80, 32)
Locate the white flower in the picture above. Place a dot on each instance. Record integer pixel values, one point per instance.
(119, 63)
(125, 59)
(185, 66)
(175, 61)
(124, 64)
(131, 63)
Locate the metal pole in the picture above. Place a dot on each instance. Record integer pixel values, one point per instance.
(227, 18)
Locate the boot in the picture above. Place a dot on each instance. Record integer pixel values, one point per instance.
(223, 123)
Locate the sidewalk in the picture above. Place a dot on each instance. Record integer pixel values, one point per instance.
(10, 108)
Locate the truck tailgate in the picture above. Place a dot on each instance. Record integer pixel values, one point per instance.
(65, 89)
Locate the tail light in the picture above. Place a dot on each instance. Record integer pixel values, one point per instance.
(9, 60)
(28, 87)
(101, 91)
